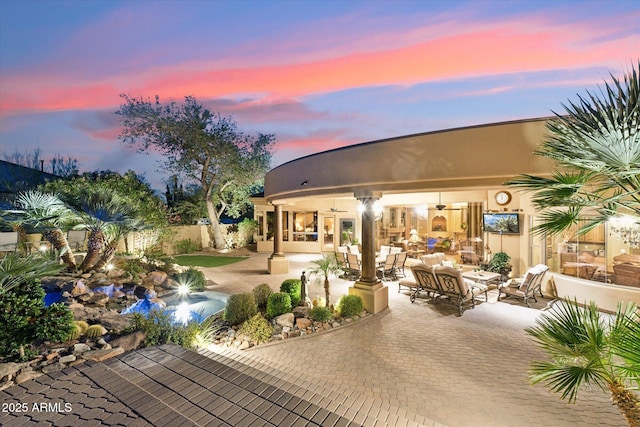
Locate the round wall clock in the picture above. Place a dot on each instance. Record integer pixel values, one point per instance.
(503, 198)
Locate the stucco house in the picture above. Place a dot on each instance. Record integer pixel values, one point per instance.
(436, 191)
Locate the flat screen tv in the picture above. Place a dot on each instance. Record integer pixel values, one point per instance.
(502, 223)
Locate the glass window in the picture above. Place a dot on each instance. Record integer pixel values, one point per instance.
(305, 226)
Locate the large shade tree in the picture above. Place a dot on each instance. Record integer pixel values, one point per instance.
(202, 146)
(596, 147)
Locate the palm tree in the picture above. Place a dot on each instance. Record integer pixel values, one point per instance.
(596, 146)
(586, 348)
(48, 213)
(100, 211)
(114, 234)
(15, 270)
(324, 267)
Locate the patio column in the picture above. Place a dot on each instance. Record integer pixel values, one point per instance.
(373, 292)
(278, 262)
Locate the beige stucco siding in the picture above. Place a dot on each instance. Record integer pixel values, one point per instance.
(480, 156)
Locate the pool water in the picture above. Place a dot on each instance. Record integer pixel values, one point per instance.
(193, 306)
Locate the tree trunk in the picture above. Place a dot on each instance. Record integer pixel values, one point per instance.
(59, 242)
(218, 237)
(107, 255)
(95, 242)
(326, 291)
(627, 401)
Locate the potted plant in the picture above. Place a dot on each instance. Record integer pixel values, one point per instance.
(500, 264)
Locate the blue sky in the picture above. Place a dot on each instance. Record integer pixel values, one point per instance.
(317, 74)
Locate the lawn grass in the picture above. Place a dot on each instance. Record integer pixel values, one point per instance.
(206, 260)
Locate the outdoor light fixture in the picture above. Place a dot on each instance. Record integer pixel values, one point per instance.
(110, 267)
(42, 248)
(304, 183)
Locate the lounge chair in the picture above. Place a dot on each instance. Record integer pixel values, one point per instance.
(456, 288)
(525, 287)
(387, 269)
(353, 270)
(400, 262)
(423, 281)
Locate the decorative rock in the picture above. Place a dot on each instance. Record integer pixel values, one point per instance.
(286, 329)
(52, 356)
(129, 342)
(6, 385)
(85, 275)
(99, 299)
(158, 301)
(102, 355)
(101, 342)
(27, 375)
(54, 367)
(150, 294)
(244, 345)
(10, 368)
(80, 348)
(155, 278)
(285, 320)
(301, 312)
(335, 325)
(303, 323)
(79, 288)
(67, 359)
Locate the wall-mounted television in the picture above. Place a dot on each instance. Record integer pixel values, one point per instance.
(502, 223)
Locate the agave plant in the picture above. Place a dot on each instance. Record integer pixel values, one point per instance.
(588, 349)
(596, 146)
(48, 213)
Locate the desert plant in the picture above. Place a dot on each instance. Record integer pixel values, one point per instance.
(261, 295)
(585, 348)
(257, 329)
(324, 267)
(293, 288)
(240, 308)
(54, 324)
(193, 278)
(350, 305)
(278, 303)
(187, 246)
(94, 331)
(76, 332)
(597, 155)
(208, 329)
(82, 325)
(320, 314)
(133, 267)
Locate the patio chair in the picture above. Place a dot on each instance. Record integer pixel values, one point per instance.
(525, 287)
(354, 249)
(387, 269)
(400, 263)
(456, 288)
(423, 281)
(352, 268)
(8, 241)
(384, 251)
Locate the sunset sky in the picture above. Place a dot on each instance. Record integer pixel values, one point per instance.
(317, 74)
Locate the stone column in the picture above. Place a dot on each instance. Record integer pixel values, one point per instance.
(278, 262)
(374, 294)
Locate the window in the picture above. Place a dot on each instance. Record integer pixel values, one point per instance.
(305, 226)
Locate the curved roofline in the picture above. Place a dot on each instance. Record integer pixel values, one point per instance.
(433, 132)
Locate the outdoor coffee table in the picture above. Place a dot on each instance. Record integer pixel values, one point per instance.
(483, 277)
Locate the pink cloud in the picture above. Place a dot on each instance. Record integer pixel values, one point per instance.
(511, 47)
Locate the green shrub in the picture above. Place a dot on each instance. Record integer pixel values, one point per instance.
(193, 278)
(293, 288)
(320, 314)
(350, 305)
(240, 308)
(278, 303)
(257, 329)
(133, 267)
(54, 324)
(160, 327)
(187, 246)
(25, 320)
(261, 295)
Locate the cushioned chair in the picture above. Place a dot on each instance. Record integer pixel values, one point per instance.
(527, 286)
(352, 268)
(456, 288)
(423, 280)
(400, 263)
(387, 269)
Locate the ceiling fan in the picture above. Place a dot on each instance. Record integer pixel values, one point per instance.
(442, 207)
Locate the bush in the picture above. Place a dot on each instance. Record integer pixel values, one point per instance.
(187, 246)
(350, 305)
(278, 303)
(22, 307)
(55, 324)
(160, 328)
(261, 295)
(257, 329)
(240, 308)
(132, 267)
(293, 288)
(320, 314)
(193, 278)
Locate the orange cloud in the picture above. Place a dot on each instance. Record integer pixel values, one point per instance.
(508, 48)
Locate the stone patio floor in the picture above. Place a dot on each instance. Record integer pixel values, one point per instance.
(412, 364)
